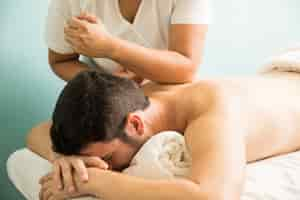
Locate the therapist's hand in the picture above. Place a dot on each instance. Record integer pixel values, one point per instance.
(87, 36)
(124, 73)
(65, 166)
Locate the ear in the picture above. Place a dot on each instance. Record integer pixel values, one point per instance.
(134, 125)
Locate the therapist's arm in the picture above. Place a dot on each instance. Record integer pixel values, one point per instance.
(178, 64)
(66, 66)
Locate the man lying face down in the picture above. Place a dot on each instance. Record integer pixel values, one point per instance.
(100, 122)
(100, 115)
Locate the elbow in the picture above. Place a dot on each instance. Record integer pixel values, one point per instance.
(51, 61)
(30, 139)
(191, 73)
(35, 136)
(195, 191)
(188, 73)
(53, 65)
(215, 194)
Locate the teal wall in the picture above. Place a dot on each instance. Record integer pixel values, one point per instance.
(244, 33)
(28, 88)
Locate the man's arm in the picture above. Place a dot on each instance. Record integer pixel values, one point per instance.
(66, 66)
(38, 141)
(218, 154)
(216, 143)
(111, 185)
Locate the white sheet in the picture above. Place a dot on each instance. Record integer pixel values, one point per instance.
(165, 156)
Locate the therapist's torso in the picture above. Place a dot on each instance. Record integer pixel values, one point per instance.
(150, 27)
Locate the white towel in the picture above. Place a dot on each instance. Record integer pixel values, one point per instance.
(165, 156)
(286, 61)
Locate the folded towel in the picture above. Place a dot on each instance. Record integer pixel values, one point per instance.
(286, 61)
(164, 156)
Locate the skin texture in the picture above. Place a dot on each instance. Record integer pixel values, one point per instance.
(223, 121)
(87, 36)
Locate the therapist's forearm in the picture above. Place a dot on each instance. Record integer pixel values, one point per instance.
(112, 186)
(162, 66)
(68, 69)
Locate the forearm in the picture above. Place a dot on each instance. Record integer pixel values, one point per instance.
(163, 66)
(112, 186)
(69, 69)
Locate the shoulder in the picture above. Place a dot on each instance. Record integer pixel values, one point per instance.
(191, 12)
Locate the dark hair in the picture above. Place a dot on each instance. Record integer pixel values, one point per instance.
(93, 107)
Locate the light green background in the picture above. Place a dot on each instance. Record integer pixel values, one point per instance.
(244, 33)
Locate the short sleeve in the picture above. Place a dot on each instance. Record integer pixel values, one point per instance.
(59, 11)
(191, 12)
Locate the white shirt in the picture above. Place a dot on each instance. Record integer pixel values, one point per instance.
(149, 29)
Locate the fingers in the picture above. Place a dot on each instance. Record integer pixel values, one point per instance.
(120, 74)
(66, 172)
(45, 178)
(45, 194)
(63, 171)
(75, 44)
(73, 37)
(138, 80)
(73, 41)
(71, 32)
(121, 69)
(45, 191)
(57, 175)
(95, 162)
(127, 74)
(80, 169)
(76, 23)
(88, 17)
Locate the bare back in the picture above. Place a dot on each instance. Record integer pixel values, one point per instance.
(268, 105)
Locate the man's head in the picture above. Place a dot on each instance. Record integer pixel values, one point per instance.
(96, 115)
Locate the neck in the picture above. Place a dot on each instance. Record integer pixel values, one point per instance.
(160, 116)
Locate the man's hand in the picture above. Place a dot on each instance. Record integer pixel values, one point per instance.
(49, 190)
(87, 36)
(63, 168)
